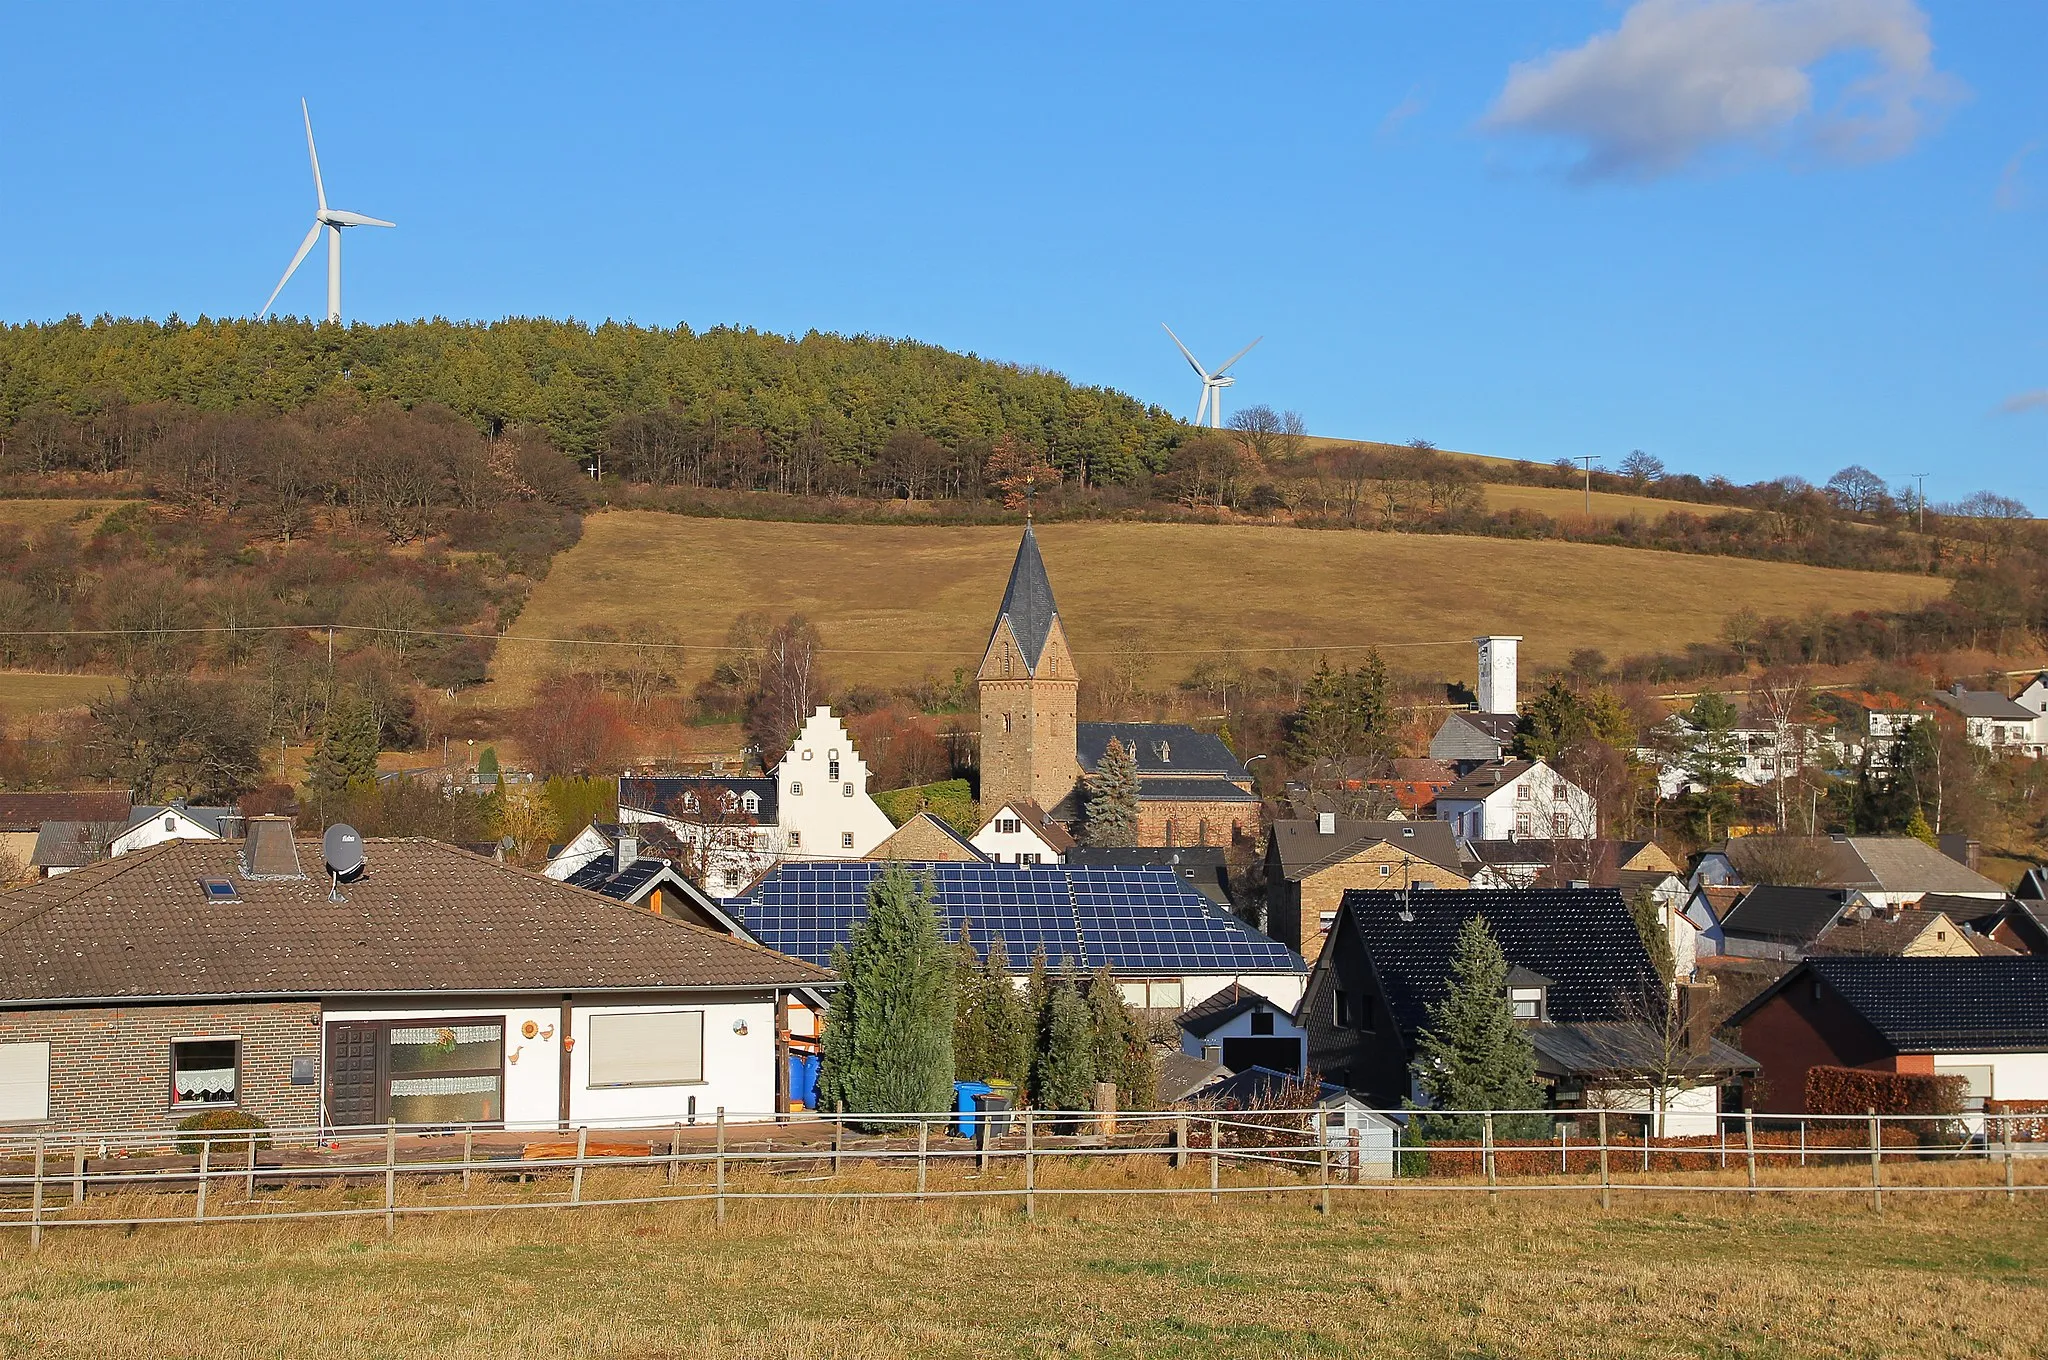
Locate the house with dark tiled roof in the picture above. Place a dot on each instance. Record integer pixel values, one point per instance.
(1581, 982)
(1912, 932)
(1466, 741)
(1311, 862)
(429, 986)
(1983, 1019)
(1514, 799)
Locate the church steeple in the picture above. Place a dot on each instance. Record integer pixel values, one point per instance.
(1027, 604)
(1029, 695)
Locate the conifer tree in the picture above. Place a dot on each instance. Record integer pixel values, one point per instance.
(1473, 1055)
(1008, 1024)
(1713, 760)
(1119, 1048)
(894, 1006)
(345, 756)
(970, 1006)
(1063, 1074)
(1111, 798)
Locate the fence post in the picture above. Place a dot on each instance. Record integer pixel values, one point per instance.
(1323, 1158)
(77, 1173)
(1180, 1143)
(721, 1166)
(1802, 1140)
(468, 1153)
(1721, 1126)
(924, 1144)
(675, 1150)
(1357, 1155)
(199, 1204)
(1563, 1150)
(390, 1176)
(1215, 1158)
(1486, 1153)
(249, 1186)
(2011, 1151)
(35, 1207)
(1876, 1163)
(576, 1176)
(1030, 1166)
(1749, 1149)
(1606, 1194)
(838, 1133)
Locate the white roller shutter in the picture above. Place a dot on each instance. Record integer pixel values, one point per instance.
(647, 1048)
(24, 1083)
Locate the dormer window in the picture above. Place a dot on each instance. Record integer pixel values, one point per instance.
(1526, 1003)
(751, 802)
(690, 802)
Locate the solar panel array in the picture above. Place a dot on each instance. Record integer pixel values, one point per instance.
(1132, 919)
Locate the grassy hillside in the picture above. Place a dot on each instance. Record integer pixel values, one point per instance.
(894, 601)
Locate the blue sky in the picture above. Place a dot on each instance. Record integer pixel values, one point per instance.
(1754, 237)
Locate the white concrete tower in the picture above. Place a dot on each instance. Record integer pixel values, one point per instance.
(1497, 673)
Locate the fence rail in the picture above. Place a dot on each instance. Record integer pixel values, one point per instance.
(235, 1176)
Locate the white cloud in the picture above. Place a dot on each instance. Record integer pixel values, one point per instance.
(2011, 190)
(1410, 105)
(2036, 400)
(1681, 77)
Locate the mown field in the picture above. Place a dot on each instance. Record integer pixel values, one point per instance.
(1433, 1276)
(32, 514)
(23, 693)
(896, 601)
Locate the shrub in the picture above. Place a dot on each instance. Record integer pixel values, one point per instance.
(228, 1128)
(1855, 1090)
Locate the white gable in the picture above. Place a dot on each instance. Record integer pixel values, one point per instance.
(824, 808)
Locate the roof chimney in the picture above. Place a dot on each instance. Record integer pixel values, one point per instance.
(1326, 823)
(1695, 1016)
(628, 852)
(268, 851)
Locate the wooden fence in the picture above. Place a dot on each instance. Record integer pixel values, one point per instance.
(143, 1178)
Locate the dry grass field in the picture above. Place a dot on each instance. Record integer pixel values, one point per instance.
(1561, 503)
(32, 514)
(25, 693)
(1428, 1276)
(895, 601)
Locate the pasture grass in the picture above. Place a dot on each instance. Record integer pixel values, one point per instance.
(898, 601)
(26, 693)
(1424, 1275)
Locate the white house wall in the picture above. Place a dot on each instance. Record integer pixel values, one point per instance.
(1004, 846)
(830, 818)
(739, 1070)
(1240, 1027)
(1684, 1111)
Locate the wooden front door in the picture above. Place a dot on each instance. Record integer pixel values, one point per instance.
(356, 1080)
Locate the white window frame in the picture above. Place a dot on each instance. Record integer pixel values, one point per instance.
(846, 840)
(638, 1070)
(25, 1082)
(796, 840)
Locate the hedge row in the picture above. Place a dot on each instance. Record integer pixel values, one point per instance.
(1775, 1148)
(1856, 1090)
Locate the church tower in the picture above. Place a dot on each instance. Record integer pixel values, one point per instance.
(1029, 693)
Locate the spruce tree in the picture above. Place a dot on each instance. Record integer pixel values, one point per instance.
(1111, 1027)
(1111, 798)
(1713, 760)
(345, 755)
(894, 1006)
(1063, 1074)
(970, 1004)
(1473, 1055)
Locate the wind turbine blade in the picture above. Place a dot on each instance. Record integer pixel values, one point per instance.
(1184, 352)
(337, 217)
(1235, 357)
(305, 248)
(311, 151)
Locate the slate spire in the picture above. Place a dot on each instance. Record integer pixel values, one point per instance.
(1028, 603)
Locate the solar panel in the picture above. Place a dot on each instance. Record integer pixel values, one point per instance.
(1134, 919)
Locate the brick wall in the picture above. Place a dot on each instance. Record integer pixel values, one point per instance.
(1796, 1030)
(110, 1068)
(1323, 890)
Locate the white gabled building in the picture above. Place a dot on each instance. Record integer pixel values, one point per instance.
(1020, 833)
(815, 806)
(2002, 726)
(1517, 800)
(149, 826)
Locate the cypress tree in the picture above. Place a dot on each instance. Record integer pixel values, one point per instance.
(894, 1006)
(1118, 1045)
(970, 1005)
(1473, 1055)
(1111, 798)
(1008, 1022)
(345, 755)
(1063, 1076)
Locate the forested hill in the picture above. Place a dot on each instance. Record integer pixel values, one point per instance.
(836, 398)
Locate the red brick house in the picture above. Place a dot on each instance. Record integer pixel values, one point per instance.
(1985, 1019)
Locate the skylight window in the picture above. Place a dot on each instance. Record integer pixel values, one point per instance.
(218, 890)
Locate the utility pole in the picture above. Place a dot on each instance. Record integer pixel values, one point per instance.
(1920, 520)
(1587, 459)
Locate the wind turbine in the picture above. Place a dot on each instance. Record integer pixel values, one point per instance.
(1212, 383)
(333, 220)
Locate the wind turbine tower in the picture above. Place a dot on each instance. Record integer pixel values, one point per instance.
(332, 220)
(1211, 407)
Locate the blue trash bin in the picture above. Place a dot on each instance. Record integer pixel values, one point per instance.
(964, 1093)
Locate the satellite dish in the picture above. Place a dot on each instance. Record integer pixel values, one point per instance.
(342, 848)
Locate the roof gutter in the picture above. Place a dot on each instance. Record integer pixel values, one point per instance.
(198, 998)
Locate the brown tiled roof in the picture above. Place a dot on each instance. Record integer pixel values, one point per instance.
(1048, 830)
(1485, 781)
(423, 917)
(1879, 934)
(27, 811)
(1304, 850)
